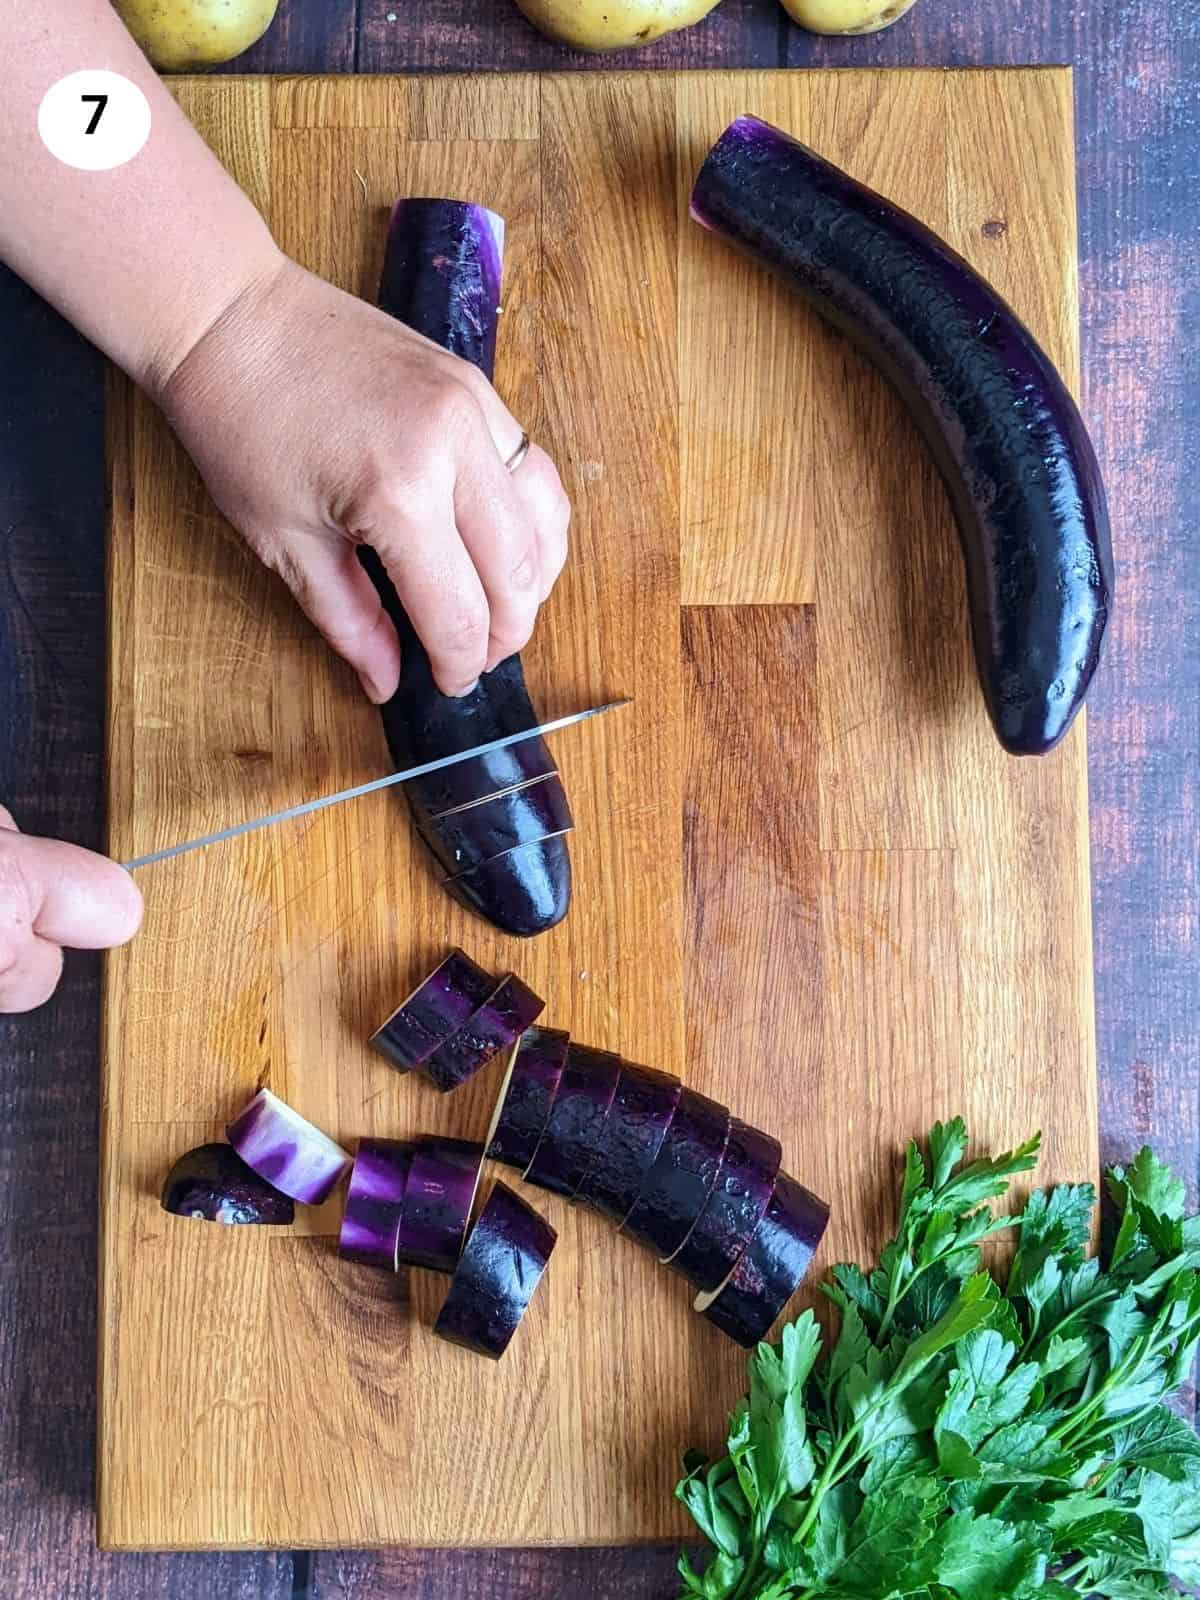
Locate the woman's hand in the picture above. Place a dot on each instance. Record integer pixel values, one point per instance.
(54, 895)
(320, 423)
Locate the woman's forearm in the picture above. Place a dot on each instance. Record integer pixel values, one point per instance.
(146, 257)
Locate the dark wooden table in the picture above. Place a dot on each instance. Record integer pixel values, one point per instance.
(1138, 113)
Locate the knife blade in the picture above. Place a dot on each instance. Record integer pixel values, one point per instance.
(359, 789)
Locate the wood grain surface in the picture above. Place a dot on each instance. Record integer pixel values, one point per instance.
(924, 935)
(1139, 209)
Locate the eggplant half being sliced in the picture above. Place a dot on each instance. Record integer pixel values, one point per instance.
(498, 824)
(999, 422)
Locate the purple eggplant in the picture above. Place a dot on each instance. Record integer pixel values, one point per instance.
(630, 1139)
(375, 1202)
(526, 1095)
(1005, 433)
(439, 1192)
(435, 1010)
(734, 1210)
(497, 1274)
(772, 1266)
(441, 276)
(498, 1023)
(676, 1189)
(212, 1182)
(286, 1150)
(476, 834)
(569, 1141)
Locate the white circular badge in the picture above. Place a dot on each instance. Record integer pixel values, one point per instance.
(94, 120)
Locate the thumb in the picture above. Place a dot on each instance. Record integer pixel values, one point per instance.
(69, 896)
(339, 599)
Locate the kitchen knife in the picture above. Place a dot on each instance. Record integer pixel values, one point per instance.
(368, 788)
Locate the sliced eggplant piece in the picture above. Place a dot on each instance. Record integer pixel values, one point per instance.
(772, 1266)
(628, 1143)
(735, 1208)
(526, 891)
(375, 1202)
(476, 834)
(496, 1276)
(526, 1095)
(286, 1150)
(435, 1010)
(443, 1175)
(213, 1183)
(570, 1138)
(441, 276)
(678, 1184)
(498, 1023)
(1000, 424)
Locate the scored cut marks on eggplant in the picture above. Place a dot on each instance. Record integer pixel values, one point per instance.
(441, 276)
(214, 1184)
(772, 1266)
(734, 1209)
(569, 1141)
(492, 1027)
(1004, 431)
(435, 1010)
(375, 1202)
(681, 1178)
(628, 1143)
(500, 1267)
(286, 1149)
(530, 1083)
(439, 1193)
(475, 834)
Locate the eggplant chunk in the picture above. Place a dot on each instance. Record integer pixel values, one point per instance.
(213, 1183)
(734, 1210)
(497, 1024)
(440, 1185)
(570, 1139)
(676, 1189)
(630, 1139)
(435, 1010)
(770, 1270)
(1005, 433)
(503, 1262)
(441, 276)
(526, 1096)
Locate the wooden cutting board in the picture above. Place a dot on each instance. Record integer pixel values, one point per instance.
(807, 878)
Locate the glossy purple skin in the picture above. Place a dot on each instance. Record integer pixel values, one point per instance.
(213, 1183)
(437, 1203)
(479, 833)
(1005, 433)
(496, 1025)
(375, 1202)
(441, 276)
(630, 1139)
(678, 1184)
(295, 1157)
(735, 1208)
(494, 1282)
(571, 1137)
(775, 1261)
(531, 1090)
(435, 1010)
(525, 892)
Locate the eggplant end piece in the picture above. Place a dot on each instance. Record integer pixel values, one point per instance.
(524, 892)
(213, 1183)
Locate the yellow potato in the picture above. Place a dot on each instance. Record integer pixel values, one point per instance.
(846, 16)
(612, 24)
(185, 35)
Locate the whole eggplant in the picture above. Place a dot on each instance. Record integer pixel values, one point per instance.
(441, 276)
(1005, 433)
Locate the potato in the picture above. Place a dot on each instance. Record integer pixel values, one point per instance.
(846, 16)
(612, 24)
(184, 35)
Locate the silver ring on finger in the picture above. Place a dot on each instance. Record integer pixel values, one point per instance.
(518, 455)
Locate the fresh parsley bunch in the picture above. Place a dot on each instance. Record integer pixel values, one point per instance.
(971, 1436)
